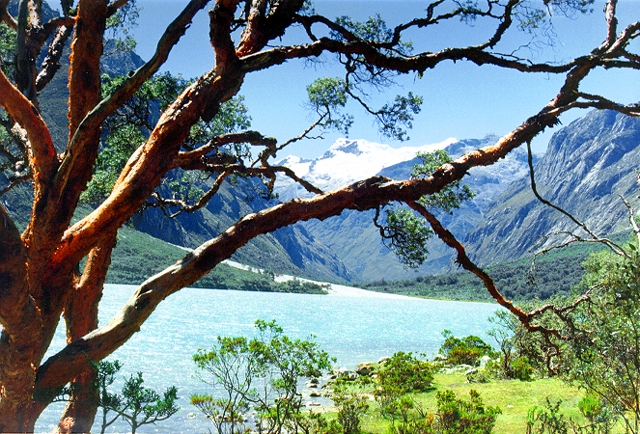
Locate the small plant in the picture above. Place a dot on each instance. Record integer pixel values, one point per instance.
(351, 407)
(601, 419)
(522, 369)
(547, 420)
(459, 416)
(453, 416)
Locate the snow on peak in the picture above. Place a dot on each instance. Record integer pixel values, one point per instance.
(347, 161)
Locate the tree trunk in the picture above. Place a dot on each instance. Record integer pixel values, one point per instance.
(81, 315)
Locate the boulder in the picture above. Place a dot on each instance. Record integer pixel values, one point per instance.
(365, 369)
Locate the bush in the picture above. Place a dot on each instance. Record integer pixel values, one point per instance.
(522, 369)
(261, 374)
(466, 351)
(453, 416)
(401, 374)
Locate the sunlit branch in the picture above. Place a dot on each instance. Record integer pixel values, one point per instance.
(51, 62)
(169, 39)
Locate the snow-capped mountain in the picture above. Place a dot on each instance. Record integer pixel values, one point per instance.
(345, 162)
(352, 235)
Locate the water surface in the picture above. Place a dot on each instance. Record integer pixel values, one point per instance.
(352, 326)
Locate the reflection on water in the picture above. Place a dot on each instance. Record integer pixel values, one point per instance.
(351, 328)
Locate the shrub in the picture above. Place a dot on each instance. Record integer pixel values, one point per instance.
(466, 351)
(401, 374)
(453, 416)
(522, 369)
(262, 374)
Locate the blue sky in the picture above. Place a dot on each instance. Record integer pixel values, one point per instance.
(460, 100)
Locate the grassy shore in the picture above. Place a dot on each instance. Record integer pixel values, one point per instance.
(514, 398)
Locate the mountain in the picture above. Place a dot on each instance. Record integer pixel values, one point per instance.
(345, 162)
(290, 250)
(589, 165)
(352, 235)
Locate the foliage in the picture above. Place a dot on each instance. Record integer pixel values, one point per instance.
(351, 407)
(547, 420)
(555, 273)
(607, 343)
(453, 416)
(259, 374)
(327, 96)
(129, 127)
(119, 26)
(450, 197)
(137, 405)
(458, 416)
(406, 235)
(403, 373)
(525, 353)
(7, 49)
(522, 369)
(464, 351)
(601, 419)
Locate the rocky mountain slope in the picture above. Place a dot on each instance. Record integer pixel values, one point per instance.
(352, 235)
(589, 165)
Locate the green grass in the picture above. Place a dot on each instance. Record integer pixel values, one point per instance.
(514, 398)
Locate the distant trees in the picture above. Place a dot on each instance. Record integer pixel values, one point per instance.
(55, 268)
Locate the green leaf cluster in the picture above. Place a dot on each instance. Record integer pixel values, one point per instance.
(327, 97)
(400, 375)
(450, 197)
(406, 235)
(453, 415)
(130, 126)
(8, 46)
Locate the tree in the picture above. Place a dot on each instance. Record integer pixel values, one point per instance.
(260, 374)
(137, 405)
(57, 267)
(402, 374)
(606, 338)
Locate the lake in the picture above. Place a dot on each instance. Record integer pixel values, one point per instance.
(350, 324)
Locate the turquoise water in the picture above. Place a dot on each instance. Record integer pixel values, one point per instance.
(352, 329)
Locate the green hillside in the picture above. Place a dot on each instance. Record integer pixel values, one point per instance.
(138, 256)
(554, 273)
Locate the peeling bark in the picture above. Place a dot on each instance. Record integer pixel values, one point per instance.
(81, 316)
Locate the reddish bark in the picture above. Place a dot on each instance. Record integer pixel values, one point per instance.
(81, 316)
(38, 271)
